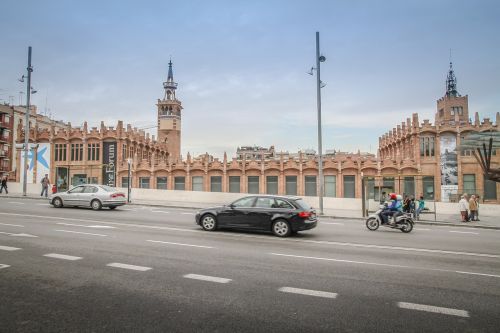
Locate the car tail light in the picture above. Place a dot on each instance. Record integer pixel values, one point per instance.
(116, 195)
(305, 215)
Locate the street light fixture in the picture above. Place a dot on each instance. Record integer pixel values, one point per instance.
(319, 84)
(27, 120)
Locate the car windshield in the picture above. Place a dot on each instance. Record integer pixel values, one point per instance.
(302, 204)
(108, 188)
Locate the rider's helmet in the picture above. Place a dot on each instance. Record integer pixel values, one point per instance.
(399, 197)
(393, 196)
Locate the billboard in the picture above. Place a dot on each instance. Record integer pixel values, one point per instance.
(449, 166)
(42, 161)
(109, 167)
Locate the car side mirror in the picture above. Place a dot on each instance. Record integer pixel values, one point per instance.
(231, 206)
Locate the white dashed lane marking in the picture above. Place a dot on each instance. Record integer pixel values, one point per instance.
(9, 248)
(207, 278)
(12, 225)
(127, 266)
(308, 292)
(16, 203)
(82, 233)
(88, 226)
(464, 232)
(332, 223)
(180, 244)
(61, 256)
(186, 213)
(434, 309)
(4, 266)
(159, 211)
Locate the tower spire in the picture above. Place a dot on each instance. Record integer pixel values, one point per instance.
(451, 82)
(170, 86)
(170, 77)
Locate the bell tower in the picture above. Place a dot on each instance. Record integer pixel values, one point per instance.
(452, 108)
(169, 116)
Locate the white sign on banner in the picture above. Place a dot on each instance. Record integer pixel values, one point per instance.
(31, 165)
(43, 161)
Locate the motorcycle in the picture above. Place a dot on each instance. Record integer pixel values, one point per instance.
(404, 222)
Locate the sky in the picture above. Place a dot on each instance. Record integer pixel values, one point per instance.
(241, 66)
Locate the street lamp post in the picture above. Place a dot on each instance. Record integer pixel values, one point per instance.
(129, 161)
(27, 125)
(319, 60)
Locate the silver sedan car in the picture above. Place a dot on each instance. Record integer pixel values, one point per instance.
(89, 195)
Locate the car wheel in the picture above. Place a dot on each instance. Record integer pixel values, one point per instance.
(96, 204)
(281, 228)
(57, 202)
(209, 222)
(112, 207)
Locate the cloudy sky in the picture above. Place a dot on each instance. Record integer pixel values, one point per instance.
(242, 65)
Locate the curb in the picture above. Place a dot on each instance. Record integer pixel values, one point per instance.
(436, 223)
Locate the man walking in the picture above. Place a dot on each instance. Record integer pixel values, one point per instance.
(3, 184)
(473, 207)
(45, 185)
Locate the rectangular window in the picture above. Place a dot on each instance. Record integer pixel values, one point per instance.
(161, 183)
(76, 151)
(179, 183)
(370, 192)
(144, 182)
(330, 186)
(490, 189)
(427, 146)
(60, 152)
(253, 184)
(428, 186)
(215, 184)
(470, 184)
(409, 186)
(197, 183)
(388, 184)
(124, 152)
(291, 185)
(93, 151)
(310, 186)
(234, 184)
(125, 182)
(272, 184)
(349, 186)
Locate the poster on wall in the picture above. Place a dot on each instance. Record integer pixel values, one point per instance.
(62, 179)
(30, 167)
(109, 167)
(42, 161)
(449, 167)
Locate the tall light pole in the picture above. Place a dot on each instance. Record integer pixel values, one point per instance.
(27, 124)
(319, 60)
(129, 162)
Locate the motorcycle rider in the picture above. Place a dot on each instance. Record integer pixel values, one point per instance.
(398, 209)
(391, 208)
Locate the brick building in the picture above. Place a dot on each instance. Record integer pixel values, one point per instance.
(414, 158)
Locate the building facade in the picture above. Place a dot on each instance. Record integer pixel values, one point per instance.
(6, 141)
(414, 158)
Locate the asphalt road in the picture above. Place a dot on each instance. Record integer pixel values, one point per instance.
(151, 269)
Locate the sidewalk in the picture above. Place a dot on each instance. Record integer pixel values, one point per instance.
(486, 222)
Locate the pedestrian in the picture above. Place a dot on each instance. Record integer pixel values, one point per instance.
(472, 207)
(420, 207)
(45, 185)
(406, 204)
(383, 198)
(477, 210)
(4, 184)
(463, 204)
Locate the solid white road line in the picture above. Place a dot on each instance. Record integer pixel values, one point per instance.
(9, 248)
(381, 264)
(88, 226)
(13, 225)
(16, 203)
(83, 233)
(126, 266)
(308, 292)
(464, 232)
(61, 256)
(4, 266)
(480, 274)
(207, 278)
(434, 309)
(181, 244)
